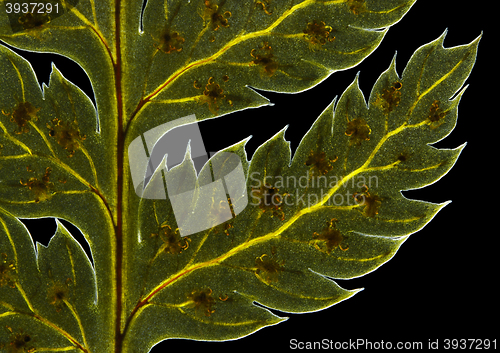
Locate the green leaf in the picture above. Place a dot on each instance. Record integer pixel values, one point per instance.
(191, 254)
(48, 298)
(334, 210)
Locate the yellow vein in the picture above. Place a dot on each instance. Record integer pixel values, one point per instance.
(7, 313)
(44, 138)
(96, 31)
(196, 41)
(92, 4)
(296, 295)
(19, 76)
(221, 323)
(92, 165)
(365, 259)
(19, 156)
(14, 140)
(7, 305)
(78, 320)
(70, 254)
(25, 297)
(179, 100)
(11, 241)
(406, 220)
(435, 166)
(390, 10)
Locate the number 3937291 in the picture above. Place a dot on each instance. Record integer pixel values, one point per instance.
(31, 7)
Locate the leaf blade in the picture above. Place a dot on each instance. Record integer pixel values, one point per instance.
(276, 253)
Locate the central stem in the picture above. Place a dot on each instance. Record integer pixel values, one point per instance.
(119, 192)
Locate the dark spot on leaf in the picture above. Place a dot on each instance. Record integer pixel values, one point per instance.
(390, 98)
(19, 342)
(330, 238)
(66, 134)
(7, 272)
(170, 41)
(264, 5)
(173, 243)
(436, 115)
(202, 301)
(58, 293)
(41, 187)
(358, 130)
(319, 164)
(213, 95)
(23, 113)
(270, 200)
(264, 57)
(370, 201)
(356, 6)
(34, 20)
(402, 157)
(211, 13)
(317, 34)
(268, 268)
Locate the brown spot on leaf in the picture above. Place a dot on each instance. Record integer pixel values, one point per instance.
(173, 243)
(66, 134)
(212, 14)
(41, 187)
(436, 115)
(7, 272)
(356, 6)
(19, 342)
(402, 157)
(23, 114)
(319, 164)
(34, 20)
(270, 200)
(264, 5)
(268, 268)
(58, 293)
(202, 301)
(317, 34)
(213, 95)
(264, 57)
(330, 238)
(390, 98)
(358, 130)
(170, 41)
(370, 201)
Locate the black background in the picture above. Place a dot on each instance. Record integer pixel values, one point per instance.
(443, 281)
